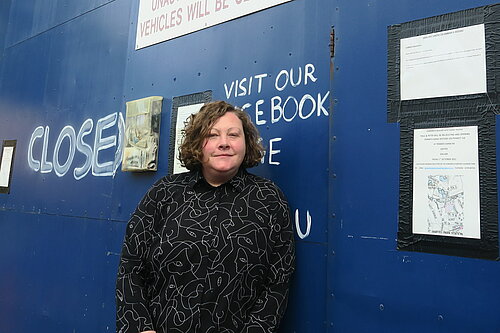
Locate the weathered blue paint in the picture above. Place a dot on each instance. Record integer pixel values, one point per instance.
(69, 64)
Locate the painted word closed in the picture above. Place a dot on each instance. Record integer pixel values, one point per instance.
(77, 142)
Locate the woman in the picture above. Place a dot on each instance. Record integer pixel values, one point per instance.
(210, 250)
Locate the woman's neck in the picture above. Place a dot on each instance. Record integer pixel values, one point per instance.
(217, 179)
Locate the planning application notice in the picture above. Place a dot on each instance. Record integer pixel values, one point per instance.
(446, 63)
(446, 182)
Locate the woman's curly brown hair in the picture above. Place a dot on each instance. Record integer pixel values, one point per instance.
(198, 126)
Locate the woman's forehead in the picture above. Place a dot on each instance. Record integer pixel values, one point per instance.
(227, 121)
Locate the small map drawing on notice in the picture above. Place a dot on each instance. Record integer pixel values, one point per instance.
(445, 214)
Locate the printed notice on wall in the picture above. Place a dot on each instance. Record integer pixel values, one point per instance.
(161, 20)
(447, 63)
(446, 182)
(183, 113)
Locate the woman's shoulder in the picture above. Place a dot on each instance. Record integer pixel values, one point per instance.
(264, 184)
(178, 178)
(173, 181)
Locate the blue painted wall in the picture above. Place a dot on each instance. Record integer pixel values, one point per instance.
(374, 287)
(73, 63)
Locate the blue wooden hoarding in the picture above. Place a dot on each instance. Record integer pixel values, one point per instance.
(318, 94)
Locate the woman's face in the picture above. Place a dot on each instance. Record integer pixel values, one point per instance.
(224, 149)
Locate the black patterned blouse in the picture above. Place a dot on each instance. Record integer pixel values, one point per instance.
(205, 259)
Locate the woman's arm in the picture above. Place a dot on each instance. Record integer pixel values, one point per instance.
(271, 303)
(132, 303)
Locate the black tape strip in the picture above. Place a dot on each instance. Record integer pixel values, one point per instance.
(393, 70)
(487, 246)
(196, 98)
(489, 15)
(492, 39)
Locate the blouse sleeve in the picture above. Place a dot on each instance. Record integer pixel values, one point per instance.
(271, 304)
(132, 301)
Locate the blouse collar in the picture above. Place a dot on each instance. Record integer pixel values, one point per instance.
(239, 181)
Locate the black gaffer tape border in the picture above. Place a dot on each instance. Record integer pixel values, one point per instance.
(487, 246)
(487, 15)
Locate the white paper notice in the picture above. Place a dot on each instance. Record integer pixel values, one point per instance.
(8, 153)
(183, 114)
(447, 63)
(446, 182)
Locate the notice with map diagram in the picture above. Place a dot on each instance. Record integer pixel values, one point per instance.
(446, 182)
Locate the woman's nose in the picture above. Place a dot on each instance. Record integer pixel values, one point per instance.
(223, 143)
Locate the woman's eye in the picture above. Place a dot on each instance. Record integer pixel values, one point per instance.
(233, 134)
(212, 135)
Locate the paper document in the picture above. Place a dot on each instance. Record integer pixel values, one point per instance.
(447, 63)
(446, 182)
